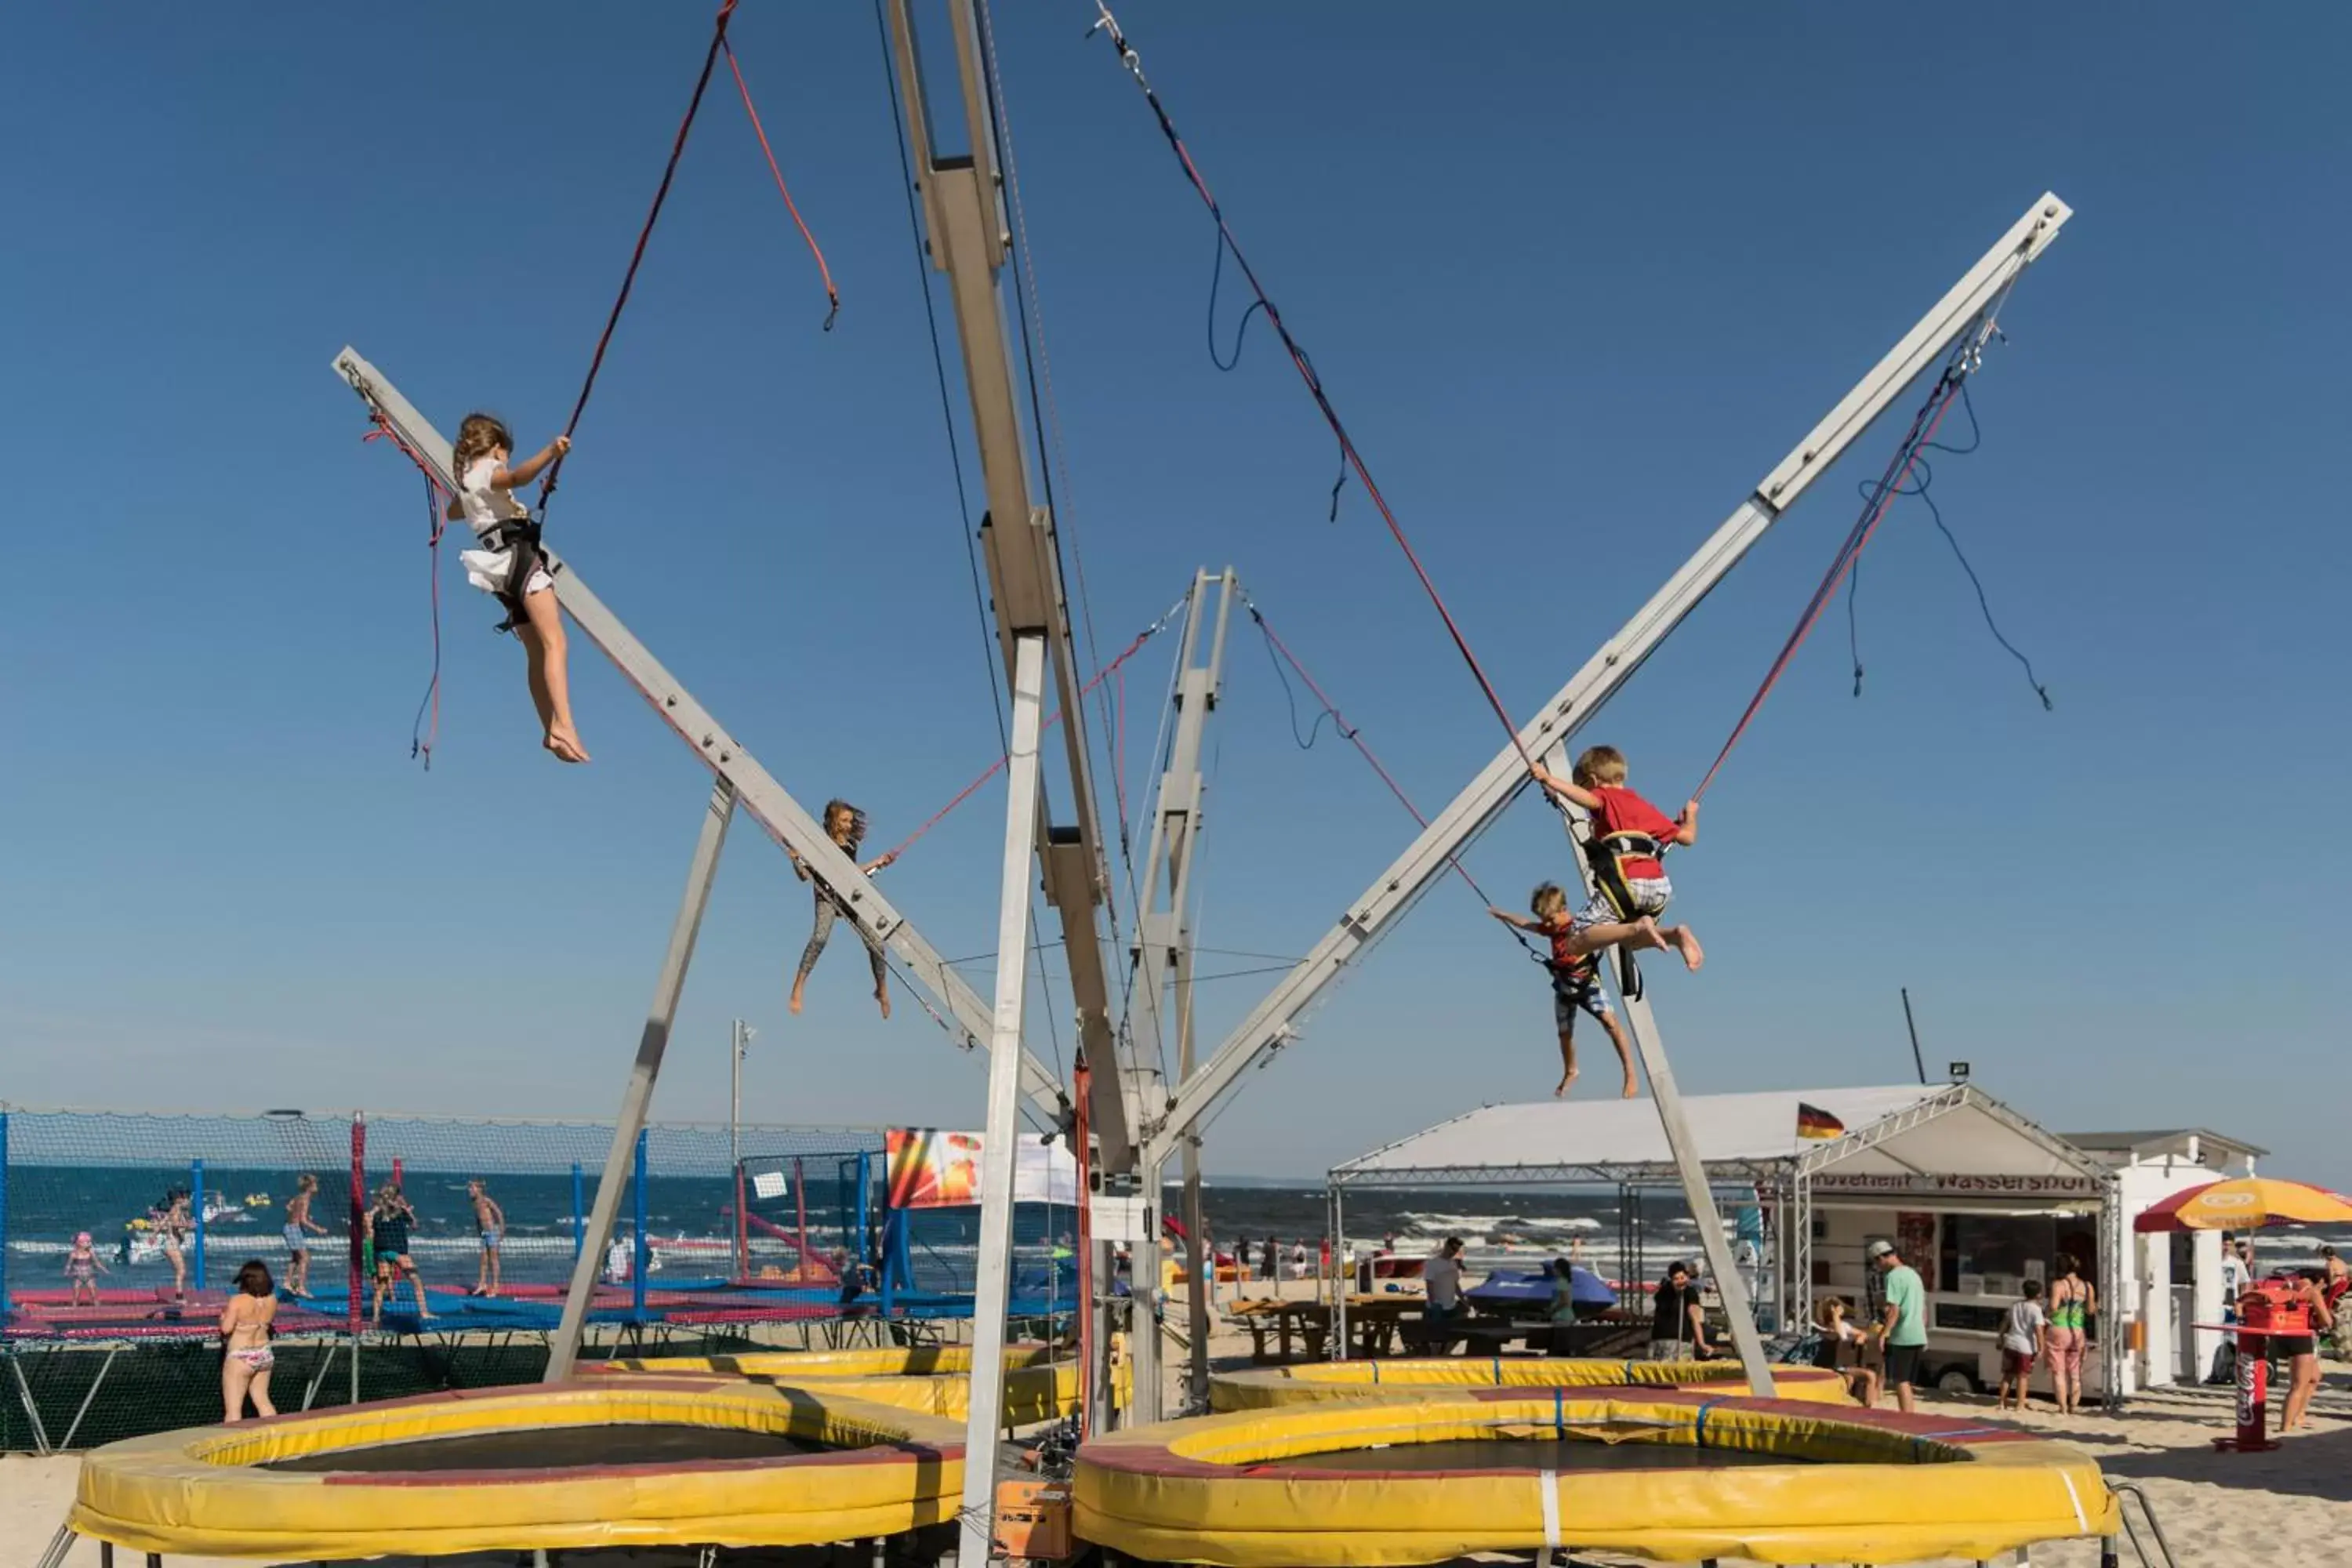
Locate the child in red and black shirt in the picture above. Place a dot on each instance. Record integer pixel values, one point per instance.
(1575, 983)
(1633, 834)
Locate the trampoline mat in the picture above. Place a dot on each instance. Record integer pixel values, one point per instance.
(614, 1446)
(1534, 1454)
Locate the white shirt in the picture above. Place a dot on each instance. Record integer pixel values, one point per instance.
(484, 506)
(2234, 1278)
(2017, 1330)
(1442, 1276)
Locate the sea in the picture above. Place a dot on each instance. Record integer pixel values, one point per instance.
(689, 1221)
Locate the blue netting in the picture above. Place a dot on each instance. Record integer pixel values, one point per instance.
(797, 1232)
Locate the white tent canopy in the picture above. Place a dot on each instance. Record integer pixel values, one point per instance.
(1908, 1130)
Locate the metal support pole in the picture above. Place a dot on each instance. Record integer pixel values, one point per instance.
(635, 1099)
(1145, 1347)
(737, 1035)
(6, 1306)
(196, 1209)
(579, 1212)
(1272, 1023)
(1339, 1288)
(359, 1244)
(1163, 948)
(967, 232)
(641, 1251)
(1689, 1163)
(991, 1286)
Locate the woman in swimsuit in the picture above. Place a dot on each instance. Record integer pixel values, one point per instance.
(2301, 1351)
(1838, 1332)
(2073, 1303)
(299, 1228)
(245, 1335)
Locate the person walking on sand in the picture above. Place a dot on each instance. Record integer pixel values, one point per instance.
(299, 1228)
(1906, 1323)
(2301, 1351)
(2073, 1304)
(246, 1358)
(491, 1221)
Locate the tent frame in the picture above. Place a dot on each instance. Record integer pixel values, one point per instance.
(1783, 1182)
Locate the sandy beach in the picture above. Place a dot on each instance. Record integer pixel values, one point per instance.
(2293, 1504)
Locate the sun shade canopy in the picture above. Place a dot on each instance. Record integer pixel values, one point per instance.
(1903, 1131)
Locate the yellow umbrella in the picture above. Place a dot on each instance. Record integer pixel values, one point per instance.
(2247, 1203)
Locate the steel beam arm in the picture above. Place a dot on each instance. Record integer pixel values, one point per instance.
(757, 791)
(969, 239)
(1377, 910)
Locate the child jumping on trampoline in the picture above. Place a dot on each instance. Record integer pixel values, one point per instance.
(845, 825)
(510, 567)
(83, 1266)
(1575, 985)
(1629, 837)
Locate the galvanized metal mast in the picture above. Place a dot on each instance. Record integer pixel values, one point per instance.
(1163, 958)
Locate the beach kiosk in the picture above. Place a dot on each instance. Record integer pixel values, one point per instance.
(1978, 1196)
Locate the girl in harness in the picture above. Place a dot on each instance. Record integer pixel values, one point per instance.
(845, 825)
(1629, 838)
(1575, 983)
(510, 567)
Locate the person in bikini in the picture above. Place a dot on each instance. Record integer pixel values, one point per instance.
(1575, 983)
(1629, 835)
(83, 1266)
(245, 1323)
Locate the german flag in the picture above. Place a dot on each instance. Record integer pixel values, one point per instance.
(1812, 1121)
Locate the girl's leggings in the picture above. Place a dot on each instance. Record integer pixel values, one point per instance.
(826, 913)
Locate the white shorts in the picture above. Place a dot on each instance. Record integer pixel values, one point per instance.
(487, 570)
(1650, 896)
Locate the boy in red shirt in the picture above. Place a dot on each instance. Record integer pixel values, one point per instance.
(1629, 835)
(1575, 983)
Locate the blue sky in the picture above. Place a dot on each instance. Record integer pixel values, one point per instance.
(1575, 276)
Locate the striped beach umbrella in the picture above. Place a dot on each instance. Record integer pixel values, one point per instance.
(2247, 1203)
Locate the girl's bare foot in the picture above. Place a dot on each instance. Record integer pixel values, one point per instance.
(883, 997)
(1686, 943)
(566, 746)
(1631, 1091)
(793, 1005)
(1565, 1079)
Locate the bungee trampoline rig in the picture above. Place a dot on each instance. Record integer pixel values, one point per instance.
(1410, 1462)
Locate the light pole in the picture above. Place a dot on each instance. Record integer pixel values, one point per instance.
(739, 1044)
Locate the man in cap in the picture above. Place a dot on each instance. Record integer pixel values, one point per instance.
(1906, 1323)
